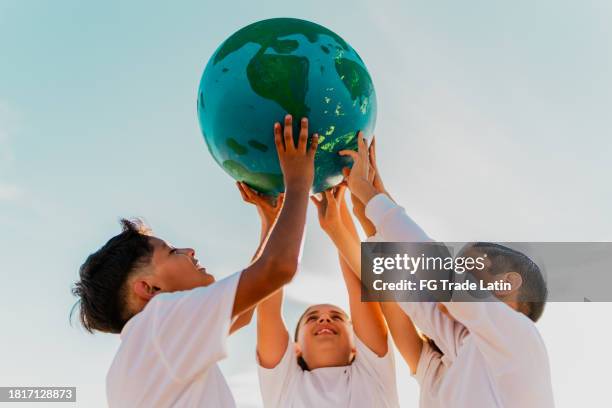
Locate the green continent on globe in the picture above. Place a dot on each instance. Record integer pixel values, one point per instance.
(274, 67)
(257, 145)
(265, 181)
(354, 77)
(347, 141)
(282, 78)
(236, 147)
(266, 33)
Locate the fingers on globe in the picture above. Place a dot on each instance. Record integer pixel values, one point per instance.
(288, 133)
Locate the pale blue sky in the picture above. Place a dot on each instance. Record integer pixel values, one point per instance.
(493, 125)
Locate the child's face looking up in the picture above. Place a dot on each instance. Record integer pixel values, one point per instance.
(325, 337)
(173, 269)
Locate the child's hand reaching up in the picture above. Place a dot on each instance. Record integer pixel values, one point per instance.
(268, 207)
(328, 208)
(296, 162)
(337, 223)
(373, 179)
(374, 172)
(360, 179)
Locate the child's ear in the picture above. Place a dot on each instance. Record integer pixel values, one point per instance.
(144, 290)
(514, 279)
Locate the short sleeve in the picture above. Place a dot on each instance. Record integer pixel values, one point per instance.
(379, 369)
(275, 383)
(506, 338)
(380, 365)
(190, 328)
(447, 333)
(428, 365)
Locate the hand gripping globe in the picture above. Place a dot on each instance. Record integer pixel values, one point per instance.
(279, 66)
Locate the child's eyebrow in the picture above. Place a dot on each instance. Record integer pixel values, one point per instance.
(311, 313)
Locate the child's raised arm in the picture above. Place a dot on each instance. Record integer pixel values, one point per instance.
(365, 182)
(367, 318)
(277, 263)
(272, 334)
(268, 209)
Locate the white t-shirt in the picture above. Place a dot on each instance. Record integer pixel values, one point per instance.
(169, 350)
(492, 356)
(368, 382)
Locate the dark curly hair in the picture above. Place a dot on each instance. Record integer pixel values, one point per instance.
(101, 288)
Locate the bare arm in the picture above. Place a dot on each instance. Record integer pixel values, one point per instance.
(277, 262)
(268, 209)
(242, 320)
(405, 336)
(368, 321)
(272, 334)
(360, 177)
(348, 245)
(368, 318)
(359, 211)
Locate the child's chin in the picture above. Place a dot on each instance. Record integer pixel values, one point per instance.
(209, 280)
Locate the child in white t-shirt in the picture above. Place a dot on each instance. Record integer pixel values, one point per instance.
(331, 361)
(172, 317)
(479, 354)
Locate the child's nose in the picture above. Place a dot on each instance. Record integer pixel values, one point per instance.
(189, 251)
